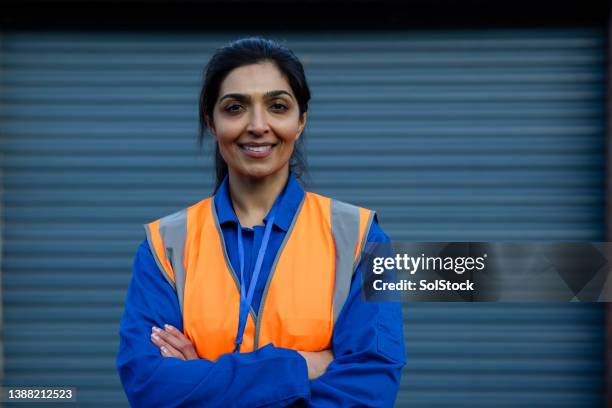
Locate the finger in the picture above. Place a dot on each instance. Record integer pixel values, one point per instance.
(173, 330)
(168, 337)
(178, 342)
(169, 351)
(158, 341)
(166, 349)
(183, 344)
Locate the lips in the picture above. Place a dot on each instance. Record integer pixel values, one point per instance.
(257, 150)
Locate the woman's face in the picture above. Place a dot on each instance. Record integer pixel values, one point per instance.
(256, 120)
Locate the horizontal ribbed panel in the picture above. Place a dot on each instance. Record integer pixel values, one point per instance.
(449, 135)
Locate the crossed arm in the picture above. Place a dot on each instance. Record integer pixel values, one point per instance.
(368, 354)
(173, 343)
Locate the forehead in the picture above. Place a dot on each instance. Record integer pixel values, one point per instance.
(254, 79)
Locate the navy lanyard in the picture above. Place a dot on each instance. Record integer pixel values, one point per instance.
(247, 298)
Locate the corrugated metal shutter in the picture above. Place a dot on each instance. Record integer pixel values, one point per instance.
(456, 135)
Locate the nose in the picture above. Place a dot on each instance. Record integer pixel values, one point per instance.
(258, 123)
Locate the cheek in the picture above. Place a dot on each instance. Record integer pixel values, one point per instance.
(286, 128)
(227, 129)
(228, 132)
(286, 132)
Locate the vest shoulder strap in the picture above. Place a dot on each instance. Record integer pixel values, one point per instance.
(166, 238)
(350, 226)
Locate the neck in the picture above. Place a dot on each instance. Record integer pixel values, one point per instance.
(253, 198)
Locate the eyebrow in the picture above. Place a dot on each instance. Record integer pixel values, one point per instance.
(243, 98)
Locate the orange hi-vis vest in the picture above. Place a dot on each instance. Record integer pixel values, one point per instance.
(306, 288)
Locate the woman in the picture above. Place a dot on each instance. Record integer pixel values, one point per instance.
(252, 297)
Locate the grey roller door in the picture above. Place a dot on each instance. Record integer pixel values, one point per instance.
(471, 135)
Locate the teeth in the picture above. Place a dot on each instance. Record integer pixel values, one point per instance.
(258, 149)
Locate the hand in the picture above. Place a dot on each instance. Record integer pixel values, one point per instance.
(172, 343)
(317, 362)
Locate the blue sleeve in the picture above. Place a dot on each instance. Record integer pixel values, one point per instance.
(369, 353)
(267, 377)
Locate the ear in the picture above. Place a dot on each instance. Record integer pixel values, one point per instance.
(302, 124)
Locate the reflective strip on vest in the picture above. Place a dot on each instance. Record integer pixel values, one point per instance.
(366, 217)
(345, 230)
(170, 232)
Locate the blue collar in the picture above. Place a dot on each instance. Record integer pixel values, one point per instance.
(288, 202)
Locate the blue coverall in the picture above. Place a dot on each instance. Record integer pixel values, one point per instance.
(368, 340)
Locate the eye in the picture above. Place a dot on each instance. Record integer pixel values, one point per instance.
(279, 107)
(233, 108)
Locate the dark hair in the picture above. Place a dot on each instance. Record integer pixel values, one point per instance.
(248, 51)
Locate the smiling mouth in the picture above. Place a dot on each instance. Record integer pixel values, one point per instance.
(257, 150)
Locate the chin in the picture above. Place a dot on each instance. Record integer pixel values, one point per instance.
(260, 172)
